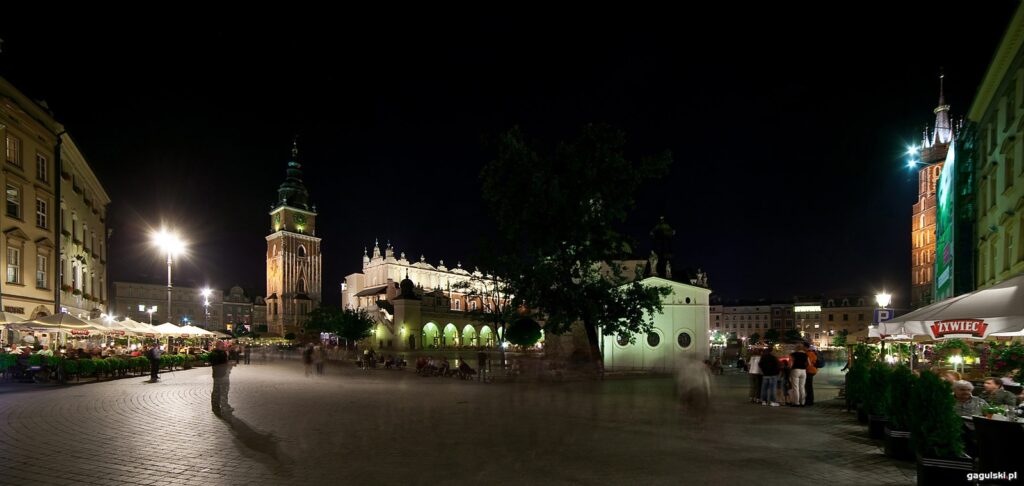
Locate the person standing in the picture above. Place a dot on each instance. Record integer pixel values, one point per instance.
(248, 353)
(754, 374)
(307, 359)
(769, 366)
(154, 354)
(812, 369)
(481, 363)
(318, 359)
(221, 380)
(798, 375)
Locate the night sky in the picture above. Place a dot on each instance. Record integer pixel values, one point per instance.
(788, 129)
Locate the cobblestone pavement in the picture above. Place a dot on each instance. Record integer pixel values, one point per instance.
(391, 427)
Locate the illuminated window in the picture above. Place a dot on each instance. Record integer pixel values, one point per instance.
(13, 265)
(13, 201)
(14, 150)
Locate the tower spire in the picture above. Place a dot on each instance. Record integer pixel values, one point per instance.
(943, 127)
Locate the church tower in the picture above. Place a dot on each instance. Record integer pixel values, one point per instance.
(293, 255)
(932, 152)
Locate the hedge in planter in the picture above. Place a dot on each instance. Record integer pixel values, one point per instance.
(86, 367)
(936, 432)
(876, 398)
(897, 432)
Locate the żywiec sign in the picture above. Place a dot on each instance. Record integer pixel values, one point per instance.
(79, 332)
(960, 327)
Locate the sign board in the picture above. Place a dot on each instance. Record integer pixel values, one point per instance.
(882, 315)
(959, 328)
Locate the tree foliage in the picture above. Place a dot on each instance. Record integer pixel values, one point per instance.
(771, 336)
(556, 214)
(524, 332)
(351, 324)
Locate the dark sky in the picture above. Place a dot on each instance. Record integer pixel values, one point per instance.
(787, 125)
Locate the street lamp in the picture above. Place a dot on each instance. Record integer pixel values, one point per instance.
(172, 245)
(150, 311)
(206, 292)
(883, 299)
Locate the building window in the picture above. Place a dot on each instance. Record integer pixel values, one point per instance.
(622, 339)
(653, 339)
(42, 168)
(14, 150)
(992, 190)
(1008, 169)
(1008, 249)
(302, 251)
(41, 272)
(684, 339)
(13, 265)
(831, 317)
(992, 259)
(41, 213)
(13, 201)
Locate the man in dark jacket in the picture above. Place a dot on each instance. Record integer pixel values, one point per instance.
(769, 365)
(154, 362)
(221, 383)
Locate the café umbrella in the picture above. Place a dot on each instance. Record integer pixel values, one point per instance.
(6, 319)
(995, 311)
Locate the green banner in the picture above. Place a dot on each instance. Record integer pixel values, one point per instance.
(944, 226)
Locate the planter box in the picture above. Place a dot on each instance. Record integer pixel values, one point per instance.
(876, 426)
(932, 471)
(897, 444)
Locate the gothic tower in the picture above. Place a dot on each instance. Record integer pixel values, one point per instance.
(934, 146)
(293, 255)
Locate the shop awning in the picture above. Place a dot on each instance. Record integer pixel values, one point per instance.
(995, 311)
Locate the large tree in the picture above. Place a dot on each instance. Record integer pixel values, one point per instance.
(556, 214)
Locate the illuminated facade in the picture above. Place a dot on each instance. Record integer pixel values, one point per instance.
(852, 314)
(679, 332)
(54, 219)
(932, 152)
(29, 176)
(83, 240)
(417, 305)
(998, 114)
(293, 256)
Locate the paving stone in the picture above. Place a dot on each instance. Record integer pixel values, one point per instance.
(391, 427)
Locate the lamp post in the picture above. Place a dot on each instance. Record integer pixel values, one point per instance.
(171, 245)
(206, 292)
(150, 311)
(883, 300)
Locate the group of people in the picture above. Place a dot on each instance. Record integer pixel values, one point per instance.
(993, 394)
(788, 381)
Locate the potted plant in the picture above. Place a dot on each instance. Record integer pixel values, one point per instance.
(876, 399)
(76, 292)
(936, 433)
(897, 431)
(991, 410)
(1009, 360)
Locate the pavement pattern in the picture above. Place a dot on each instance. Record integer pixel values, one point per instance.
(394, 427)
